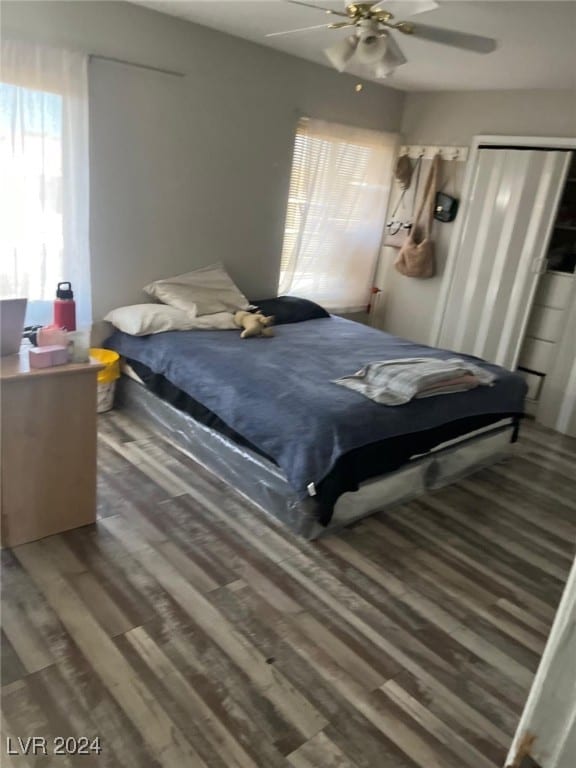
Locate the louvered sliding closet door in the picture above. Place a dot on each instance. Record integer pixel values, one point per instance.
(501, 250)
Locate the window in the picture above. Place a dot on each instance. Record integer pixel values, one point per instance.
(336, 207)
(44, 168)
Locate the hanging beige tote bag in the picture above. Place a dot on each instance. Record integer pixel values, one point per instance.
(416, 256)
(398, 228)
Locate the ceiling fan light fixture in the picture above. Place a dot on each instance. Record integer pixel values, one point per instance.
(391, 60)
(340, 54)
(383, 69)
(372, 44)
(371, 52)
(368, 30)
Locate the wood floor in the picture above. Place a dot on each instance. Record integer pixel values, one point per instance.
(186, 630)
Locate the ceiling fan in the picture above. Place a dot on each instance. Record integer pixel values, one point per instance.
(372, 48)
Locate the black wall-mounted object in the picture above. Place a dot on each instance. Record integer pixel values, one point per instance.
(445, 207)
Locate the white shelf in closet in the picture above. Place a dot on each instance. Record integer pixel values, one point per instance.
(554, 289)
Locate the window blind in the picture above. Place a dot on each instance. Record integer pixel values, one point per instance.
(337, 200)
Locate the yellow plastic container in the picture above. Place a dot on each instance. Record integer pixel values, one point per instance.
(111, 362)
(106, 377)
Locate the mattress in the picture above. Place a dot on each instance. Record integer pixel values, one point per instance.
(265, 485)
(277, 397)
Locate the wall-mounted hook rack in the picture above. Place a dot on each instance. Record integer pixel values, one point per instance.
(428, 152)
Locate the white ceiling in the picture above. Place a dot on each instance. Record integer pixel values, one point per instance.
(537, 39)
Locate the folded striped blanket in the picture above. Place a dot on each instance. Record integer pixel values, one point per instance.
(396, 382)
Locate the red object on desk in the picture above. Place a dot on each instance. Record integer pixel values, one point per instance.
(65, 307)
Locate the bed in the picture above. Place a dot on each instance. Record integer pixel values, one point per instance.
(265, 415)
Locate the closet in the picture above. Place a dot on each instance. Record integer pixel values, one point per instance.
(509, 292)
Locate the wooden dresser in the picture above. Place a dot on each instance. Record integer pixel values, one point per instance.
(48, 448)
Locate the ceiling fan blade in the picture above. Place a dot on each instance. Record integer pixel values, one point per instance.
(318, 8)
(300, 29)
(405, 7)
(451, 37)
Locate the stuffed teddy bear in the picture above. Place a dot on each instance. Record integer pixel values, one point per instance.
(254, 324)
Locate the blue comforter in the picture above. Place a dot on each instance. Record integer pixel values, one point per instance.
(278, 393)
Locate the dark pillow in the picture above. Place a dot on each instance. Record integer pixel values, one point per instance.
(290, 309)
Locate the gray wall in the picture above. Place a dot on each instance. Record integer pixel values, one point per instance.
(407, 306)
(456, 117)
(187, 171)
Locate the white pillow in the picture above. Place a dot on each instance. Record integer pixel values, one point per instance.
(201, 292)
(146, 319)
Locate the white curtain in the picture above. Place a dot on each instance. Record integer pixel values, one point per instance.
(337, 203)
(44, 168)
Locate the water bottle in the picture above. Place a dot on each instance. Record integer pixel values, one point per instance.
(65, 307)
